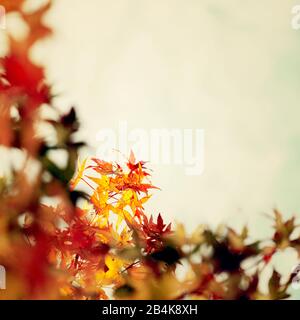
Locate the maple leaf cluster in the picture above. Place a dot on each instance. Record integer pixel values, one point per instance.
(57, 242)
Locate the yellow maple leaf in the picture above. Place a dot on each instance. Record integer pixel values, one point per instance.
(79, 174)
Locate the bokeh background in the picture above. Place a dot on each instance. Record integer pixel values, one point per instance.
(229, 67)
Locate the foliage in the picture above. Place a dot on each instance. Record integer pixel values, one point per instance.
(57, 242)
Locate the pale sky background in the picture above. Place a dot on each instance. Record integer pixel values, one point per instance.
(229, 67)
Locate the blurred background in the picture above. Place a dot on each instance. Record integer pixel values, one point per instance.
(229, 67)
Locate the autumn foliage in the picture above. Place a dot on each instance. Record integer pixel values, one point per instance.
(58, 242)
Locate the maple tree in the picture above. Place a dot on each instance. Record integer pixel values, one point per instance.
(102, 244)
